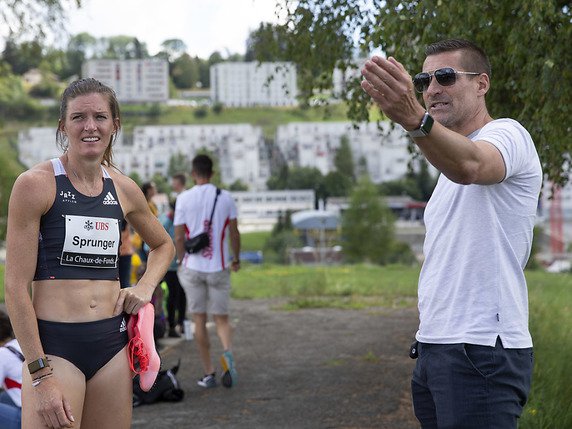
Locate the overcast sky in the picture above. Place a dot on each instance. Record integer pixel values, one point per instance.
(205, 26)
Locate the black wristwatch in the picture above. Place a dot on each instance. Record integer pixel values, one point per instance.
(424, 128)
(38, 364)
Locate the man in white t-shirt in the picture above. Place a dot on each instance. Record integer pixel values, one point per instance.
(474, 348)
(205, 275)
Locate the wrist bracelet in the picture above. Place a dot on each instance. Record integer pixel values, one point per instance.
(37, 381)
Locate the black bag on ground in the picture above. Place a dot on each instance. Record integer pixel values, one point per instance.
(166, 388)
(199, 242)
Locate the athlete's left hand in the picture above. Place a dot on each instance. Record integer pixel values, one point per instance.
(131, 299)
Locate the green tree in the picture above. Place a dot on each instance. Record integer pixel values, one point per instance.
(33, 19)
(81, 47)
(367, 226)
(8, 174)
(136, 178)
(123, 48)
(281, 239)
(162, 183)
(14, 101)
(279, 180)
(337, 184)
(528, 42)
(185, 72)
(174, 48)
(344, 160)
(22, 57)
(238, 185)
(267, 43)
(179, 163)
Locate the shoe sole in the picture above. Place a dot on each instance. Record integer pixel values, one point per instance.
(145, 324)
(227, 376)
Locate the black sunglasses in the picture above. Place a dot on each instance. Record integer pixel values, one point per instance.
(446, 76)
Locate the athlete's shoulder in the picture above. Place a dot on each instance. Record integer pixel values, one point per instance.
(36, 178)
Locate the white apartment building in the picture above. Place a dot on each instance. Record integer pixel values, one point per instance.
(243, 84)
(314, 144)
(342, 79)
(37, 144)
(238, 149)
(134, 81)
(260, 210)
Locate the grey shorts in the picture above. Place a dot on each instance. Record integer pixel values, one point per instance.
(206, 292)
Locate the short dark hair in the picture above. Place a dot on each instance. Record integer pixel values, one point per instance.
(146, 186)
(181, 177)
(475, 60)
(203, 166)
(5, 327)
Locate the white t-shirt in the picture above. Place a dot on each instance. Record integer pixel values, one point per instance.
(478, 239)
(11, 372)
(193, 210)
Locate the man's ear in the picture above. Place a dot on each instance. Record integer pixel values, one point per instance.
(484, 83)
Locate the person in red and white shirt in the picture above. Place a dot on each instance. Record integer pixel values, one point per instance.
(11, 359)
(205, 275)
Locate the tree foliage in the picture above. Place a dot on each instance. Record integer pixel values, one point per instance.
(367, 226)
(528, 42)
(344, 160)
(33, 19)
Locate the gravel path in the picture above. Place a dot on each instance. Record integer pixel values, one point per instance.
(315, 368)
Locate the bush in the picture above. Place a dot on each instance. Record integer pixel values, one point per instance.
(201, 112)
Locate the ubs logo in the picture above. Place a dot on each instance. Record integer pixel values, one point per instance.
(101, 226)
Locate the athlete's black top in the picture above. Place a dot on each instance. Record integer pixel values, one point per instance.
(79, 235)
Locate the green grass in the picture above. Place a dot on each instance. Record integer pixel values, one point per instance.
(345, 286)
(252, 241)
(267, 118)
(550, 403)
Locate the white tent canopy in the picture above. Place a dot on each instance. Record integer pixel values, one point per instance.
(315, 219)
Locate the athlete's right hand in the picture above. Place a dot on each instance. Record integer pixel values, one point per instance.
(131, 299)
(52, 406)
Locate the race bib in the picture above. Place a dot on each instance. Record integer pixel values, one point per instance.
(91, 242)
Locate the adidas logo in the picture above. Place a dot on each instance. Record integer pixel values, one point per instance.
(109, 200)
(123, 326)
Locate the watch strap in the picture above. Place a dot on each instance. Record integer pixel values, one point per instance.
(38, 365)
(424, 127)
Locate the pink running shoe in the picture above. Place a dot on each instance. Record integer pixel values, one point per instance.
(143, 358)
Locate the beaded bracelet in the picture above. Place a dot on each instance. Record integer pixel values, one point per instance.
(37, 381)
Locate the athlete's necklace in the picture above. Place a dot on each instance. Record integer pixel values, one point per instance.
(84, 183)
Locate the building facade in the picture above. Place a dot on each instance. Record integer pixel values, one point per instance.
(241, 150)
(246, 84)
(134, 81)
(383, 153)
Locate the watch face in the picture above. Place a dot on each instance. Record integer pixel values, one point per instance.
(424, 128)
(37, 365)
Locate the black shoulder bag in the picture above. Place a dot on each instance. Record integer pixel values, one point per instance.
(199, 242)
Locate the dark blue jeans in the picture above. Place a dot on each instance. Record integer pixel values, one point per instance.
(10, 413)
(466, 386)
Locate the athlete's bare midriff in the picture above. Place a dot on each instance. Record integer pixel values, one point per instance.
(74, 300)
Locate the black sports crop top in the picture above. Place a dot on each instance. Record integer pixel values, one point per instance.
(80, 235)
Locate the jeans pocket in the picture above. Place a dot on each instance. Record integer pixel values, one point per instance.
(481, 358)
